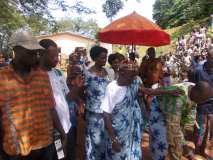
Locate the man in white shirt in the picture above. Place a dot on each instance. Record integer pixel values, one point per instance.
(48, 62)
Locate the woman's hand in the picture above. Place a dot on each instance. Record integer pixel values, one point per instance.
(177, 92)
(81, 108)
(116, 146)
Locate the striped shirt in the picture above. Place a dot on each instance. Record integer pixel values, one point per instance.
(25, 107)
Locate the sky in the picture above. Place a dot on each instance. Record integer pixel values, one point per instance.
(144, 8)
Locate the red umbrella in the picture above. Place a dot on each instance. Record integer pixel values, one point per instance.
(134, 29)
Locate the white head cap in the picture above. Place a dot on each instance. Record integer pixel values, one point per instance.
(24, 39)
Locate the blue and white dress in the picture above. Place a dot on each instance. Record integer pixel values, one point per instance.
(127, 125)
(158, 135)
(95, 137)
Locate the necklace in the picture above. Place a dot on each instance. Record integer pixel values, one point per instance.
(99, 72)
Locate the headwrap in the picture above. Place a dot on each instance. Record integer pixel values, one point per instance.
(128, 65)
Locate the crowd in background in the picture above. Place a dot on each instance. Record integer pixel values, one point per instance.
(190, 52)
(190, 62)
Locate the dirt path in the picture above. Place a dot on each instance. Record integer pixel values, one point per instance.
(146, 153)
(145, 145)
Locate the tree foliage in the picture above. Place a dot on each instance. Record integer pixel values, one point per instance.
(172, 13)
(32, 14)
(36, 16)
(111, 7)
(77, 25)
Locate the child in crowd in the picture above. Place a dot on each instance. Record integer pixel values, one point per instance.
(74, 60)
(75, 82)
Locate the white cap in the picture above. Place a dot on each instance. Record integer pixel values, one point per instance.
(24, 39)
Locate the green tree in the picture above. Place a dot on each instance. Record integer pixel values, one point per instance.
(36, 15)
(32, 14)
(172, 13)
(77, 25)
(162, 12)
(112, 7)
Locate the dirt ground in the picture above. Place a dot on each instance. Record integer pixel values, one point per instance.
(145, 145)
(146, 153)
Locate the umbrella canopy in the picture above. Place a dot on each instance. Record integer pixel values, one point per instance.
(134, 29)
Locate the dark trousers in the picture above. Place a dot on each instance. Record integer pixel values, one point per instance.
(40, 154)
(71, 144)
(211, 127)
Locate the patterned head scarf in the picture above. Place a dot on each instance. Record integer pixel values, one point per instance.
(128, 65)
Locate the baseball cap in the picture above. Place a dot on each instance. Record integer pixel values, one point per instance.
(24, 39)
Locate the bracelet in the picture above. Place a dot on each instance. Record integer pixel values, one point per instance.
(114, 139)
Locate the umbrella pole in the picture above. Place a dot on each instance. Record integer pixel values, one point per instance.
(132, 47)
(133, 50)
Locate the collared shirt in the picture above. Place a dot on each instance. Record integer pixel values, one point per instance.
(26, 107)
(60, 90)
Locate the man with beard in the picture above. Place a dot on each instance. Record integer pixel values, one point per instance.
(26, 103)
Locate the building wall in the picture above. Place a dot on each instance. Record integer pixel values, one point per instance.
(68, 42)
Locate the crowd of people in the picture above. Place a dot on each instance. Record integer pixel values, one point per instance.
(189, 64)
(191, 51)
(118, 103)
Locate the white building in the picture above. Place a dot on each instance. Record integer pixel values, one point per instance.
(67, 42)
